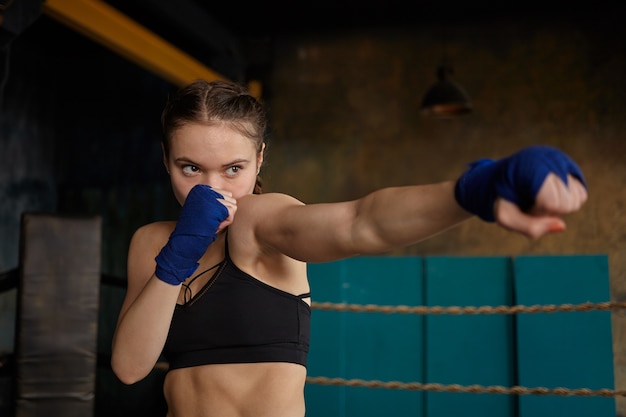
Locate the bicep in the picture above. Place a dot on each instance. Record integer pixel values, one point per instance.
(380, 221)
(309, 233)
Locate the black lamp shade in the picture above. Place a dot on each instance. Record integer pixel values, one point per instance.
(446, 98)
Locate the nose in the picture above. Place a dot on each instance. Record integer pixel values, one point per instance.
(214, 180)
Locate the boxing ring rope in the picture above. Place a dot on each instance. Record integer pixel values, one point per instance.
(471, 310)
(473, 389)
(551, 308)
(8, 280)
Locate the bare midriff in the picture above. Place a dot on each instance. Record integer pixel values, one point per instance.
(236, 390)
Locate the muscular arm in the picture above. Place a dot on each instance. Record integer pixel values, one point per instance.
(379, 222)
(394, 217)
(147, 310)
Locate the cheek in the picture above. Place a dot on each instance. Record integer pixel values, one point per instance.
(180, 191)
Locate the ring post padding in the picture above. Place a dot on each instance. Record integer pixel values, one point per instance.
(57, 315)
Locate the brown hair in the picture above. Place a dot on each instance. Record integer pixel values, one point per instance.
(215, 102)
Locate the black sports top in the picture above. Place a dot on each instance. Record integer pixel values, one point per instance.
(235, 318)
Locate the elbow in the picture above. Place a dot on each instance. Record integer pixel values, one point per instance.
(126, 372)
(127, 379)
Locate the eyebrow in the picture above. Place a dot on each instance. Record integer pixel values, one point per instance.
(231, 163)
(237, 161)
(185, 160)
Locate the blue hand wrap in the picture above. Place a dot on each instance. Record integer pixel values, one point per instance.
(516, 178)
(195, 230)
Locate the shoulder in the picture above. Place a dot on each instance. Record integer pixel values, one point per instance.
(256, 211)
(151, 237)
(265, 213)
(270, 197)
(255, 203)
(155, 229)
(257, 232)
(144, 246)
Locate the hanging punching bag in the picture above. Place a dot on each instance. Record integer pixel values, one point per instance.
(57, 316)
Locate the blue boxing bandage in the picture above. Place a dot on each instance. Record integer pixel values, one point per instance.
(516, 178)
(195, 230)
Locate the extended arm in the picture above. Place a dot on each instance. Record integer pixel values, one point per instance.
(383, 220)
(527, 192)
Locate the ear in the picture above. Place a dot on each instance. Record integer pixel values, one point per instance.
(259, 158)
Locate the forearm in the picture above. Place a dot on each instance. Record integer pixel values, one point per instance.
(400, 216)
(142, 330)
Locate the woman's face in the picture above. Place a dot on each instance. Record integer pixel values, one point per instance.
(215, 155)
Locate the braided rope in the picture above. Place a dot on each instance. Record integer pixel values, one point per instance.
(550, 308)
(475, 389)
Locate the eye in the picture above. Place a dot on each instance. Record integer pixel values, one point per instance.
(233, 170)
(190, 169)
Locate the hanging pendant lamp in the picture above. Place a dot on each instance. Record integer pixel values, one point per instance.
(446, 98)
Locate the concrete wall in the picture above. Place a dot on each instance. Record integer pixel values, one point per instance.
(346, 121)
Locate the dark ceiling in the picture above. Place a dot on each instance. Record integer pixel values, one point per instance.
(229, 36)
(245, 18)
(235, 37)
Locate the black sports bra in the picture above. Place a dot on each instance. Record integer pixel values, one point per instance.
(235, 318)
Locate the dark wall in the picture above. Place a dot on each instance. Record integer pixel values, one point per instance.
(77, 121)
(79, 134)
(79, 131)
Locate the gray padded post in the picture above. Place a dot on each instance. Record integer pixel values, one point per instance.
(57, 317)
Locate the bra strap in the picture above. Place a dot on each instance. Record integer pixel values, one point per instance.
(226, 254)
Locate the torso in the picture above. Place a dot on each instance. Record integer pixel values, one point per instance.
(236, 390)
(273, 389)
(236, 318)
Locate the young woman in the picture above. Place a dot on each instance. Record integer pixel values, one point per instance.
(223, 292)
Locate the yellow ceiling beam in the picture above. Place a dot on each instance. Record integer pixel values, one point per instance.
(105, 25)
